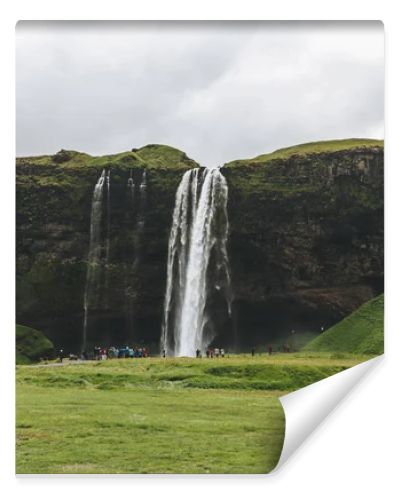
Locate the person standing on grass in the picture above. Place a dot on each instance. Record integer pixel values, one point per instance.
(61, 355)
(270, 350)
(253, 351)
(222, 352)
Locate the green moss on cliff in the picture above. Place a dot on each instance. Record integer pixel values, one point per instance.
(152, 156)
(359, 333)
(158, 155)
(311, 148)
(31, 345)
(309, 221)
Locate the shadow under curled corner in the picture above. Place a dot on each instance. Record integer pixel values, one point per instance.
(306, 408)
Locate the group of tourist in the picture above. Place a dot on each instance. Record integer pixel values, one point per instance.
(211, 353)
(101, 353)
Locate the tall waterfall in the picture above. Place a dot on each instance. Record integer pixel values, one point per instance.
(199, 231)
(94, 258)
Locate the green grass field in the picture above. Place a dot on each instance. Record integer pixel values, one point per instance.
(159, 415)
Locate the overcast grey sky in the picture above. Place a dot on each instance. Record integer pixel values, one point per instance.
(218, 91)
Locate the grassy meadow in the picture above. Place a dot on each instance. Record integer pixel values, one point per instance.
(158, 415)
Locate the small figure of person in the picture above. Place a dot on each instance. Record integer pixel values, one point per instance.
(270, 350)
(222, 352)
(198, 353)
(208, 353)
(253, 351)
(61, 355)
(216, 352)
(164, 353)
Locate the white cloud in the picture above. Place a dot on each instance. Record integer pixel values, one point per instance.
(219, 91)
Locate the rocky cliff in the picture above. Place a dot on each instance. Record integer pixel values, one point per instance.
(306, 235)
(306, 240)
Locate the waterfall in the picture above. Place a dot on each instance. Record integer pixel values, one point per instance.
(137, 223)
(107, 256)
(199, 229)
(142, 201)
(94, 257)
(108, 217)
(131, 189)
(129, 296)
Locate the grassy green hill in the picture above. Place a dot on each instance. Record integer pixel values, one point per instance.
(311, 148)
(359, 333)
(31, 345)
(150, 156)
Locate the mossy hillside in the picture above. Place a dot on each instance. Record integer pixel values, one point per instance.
(54, 196)
(306, 222)
(71, 174)
(152, 156)
(306, 240)
(31, 345)
(359, 333)
(310, 149)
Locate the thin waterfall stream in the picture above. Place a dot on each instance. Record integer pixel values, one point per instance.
(94, 257)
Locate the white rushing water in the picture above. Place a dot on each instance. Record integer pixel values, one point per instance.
(199, 227)
(94, 257)
(142, 201)
(131, 188)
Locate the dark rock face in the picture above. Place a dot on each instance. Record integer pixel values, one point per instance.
(306, 240)
(306, 243)
(53, 226)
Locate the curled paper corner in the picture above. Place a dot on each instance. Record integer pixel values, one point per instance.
(307, 408)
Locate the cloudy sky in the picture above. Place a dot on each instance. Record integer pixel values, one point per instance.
(218, 91)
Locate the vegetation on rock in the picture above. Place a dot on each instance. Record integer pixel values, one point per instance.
(305, 243)
(31, 345)
(150, 156)
(310, 149)
(359, 333)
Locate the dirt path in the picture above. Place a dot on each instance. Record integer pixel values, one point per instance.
(66, 362)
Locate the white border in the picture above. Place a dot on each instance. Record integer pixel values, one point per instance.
(355, 452)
